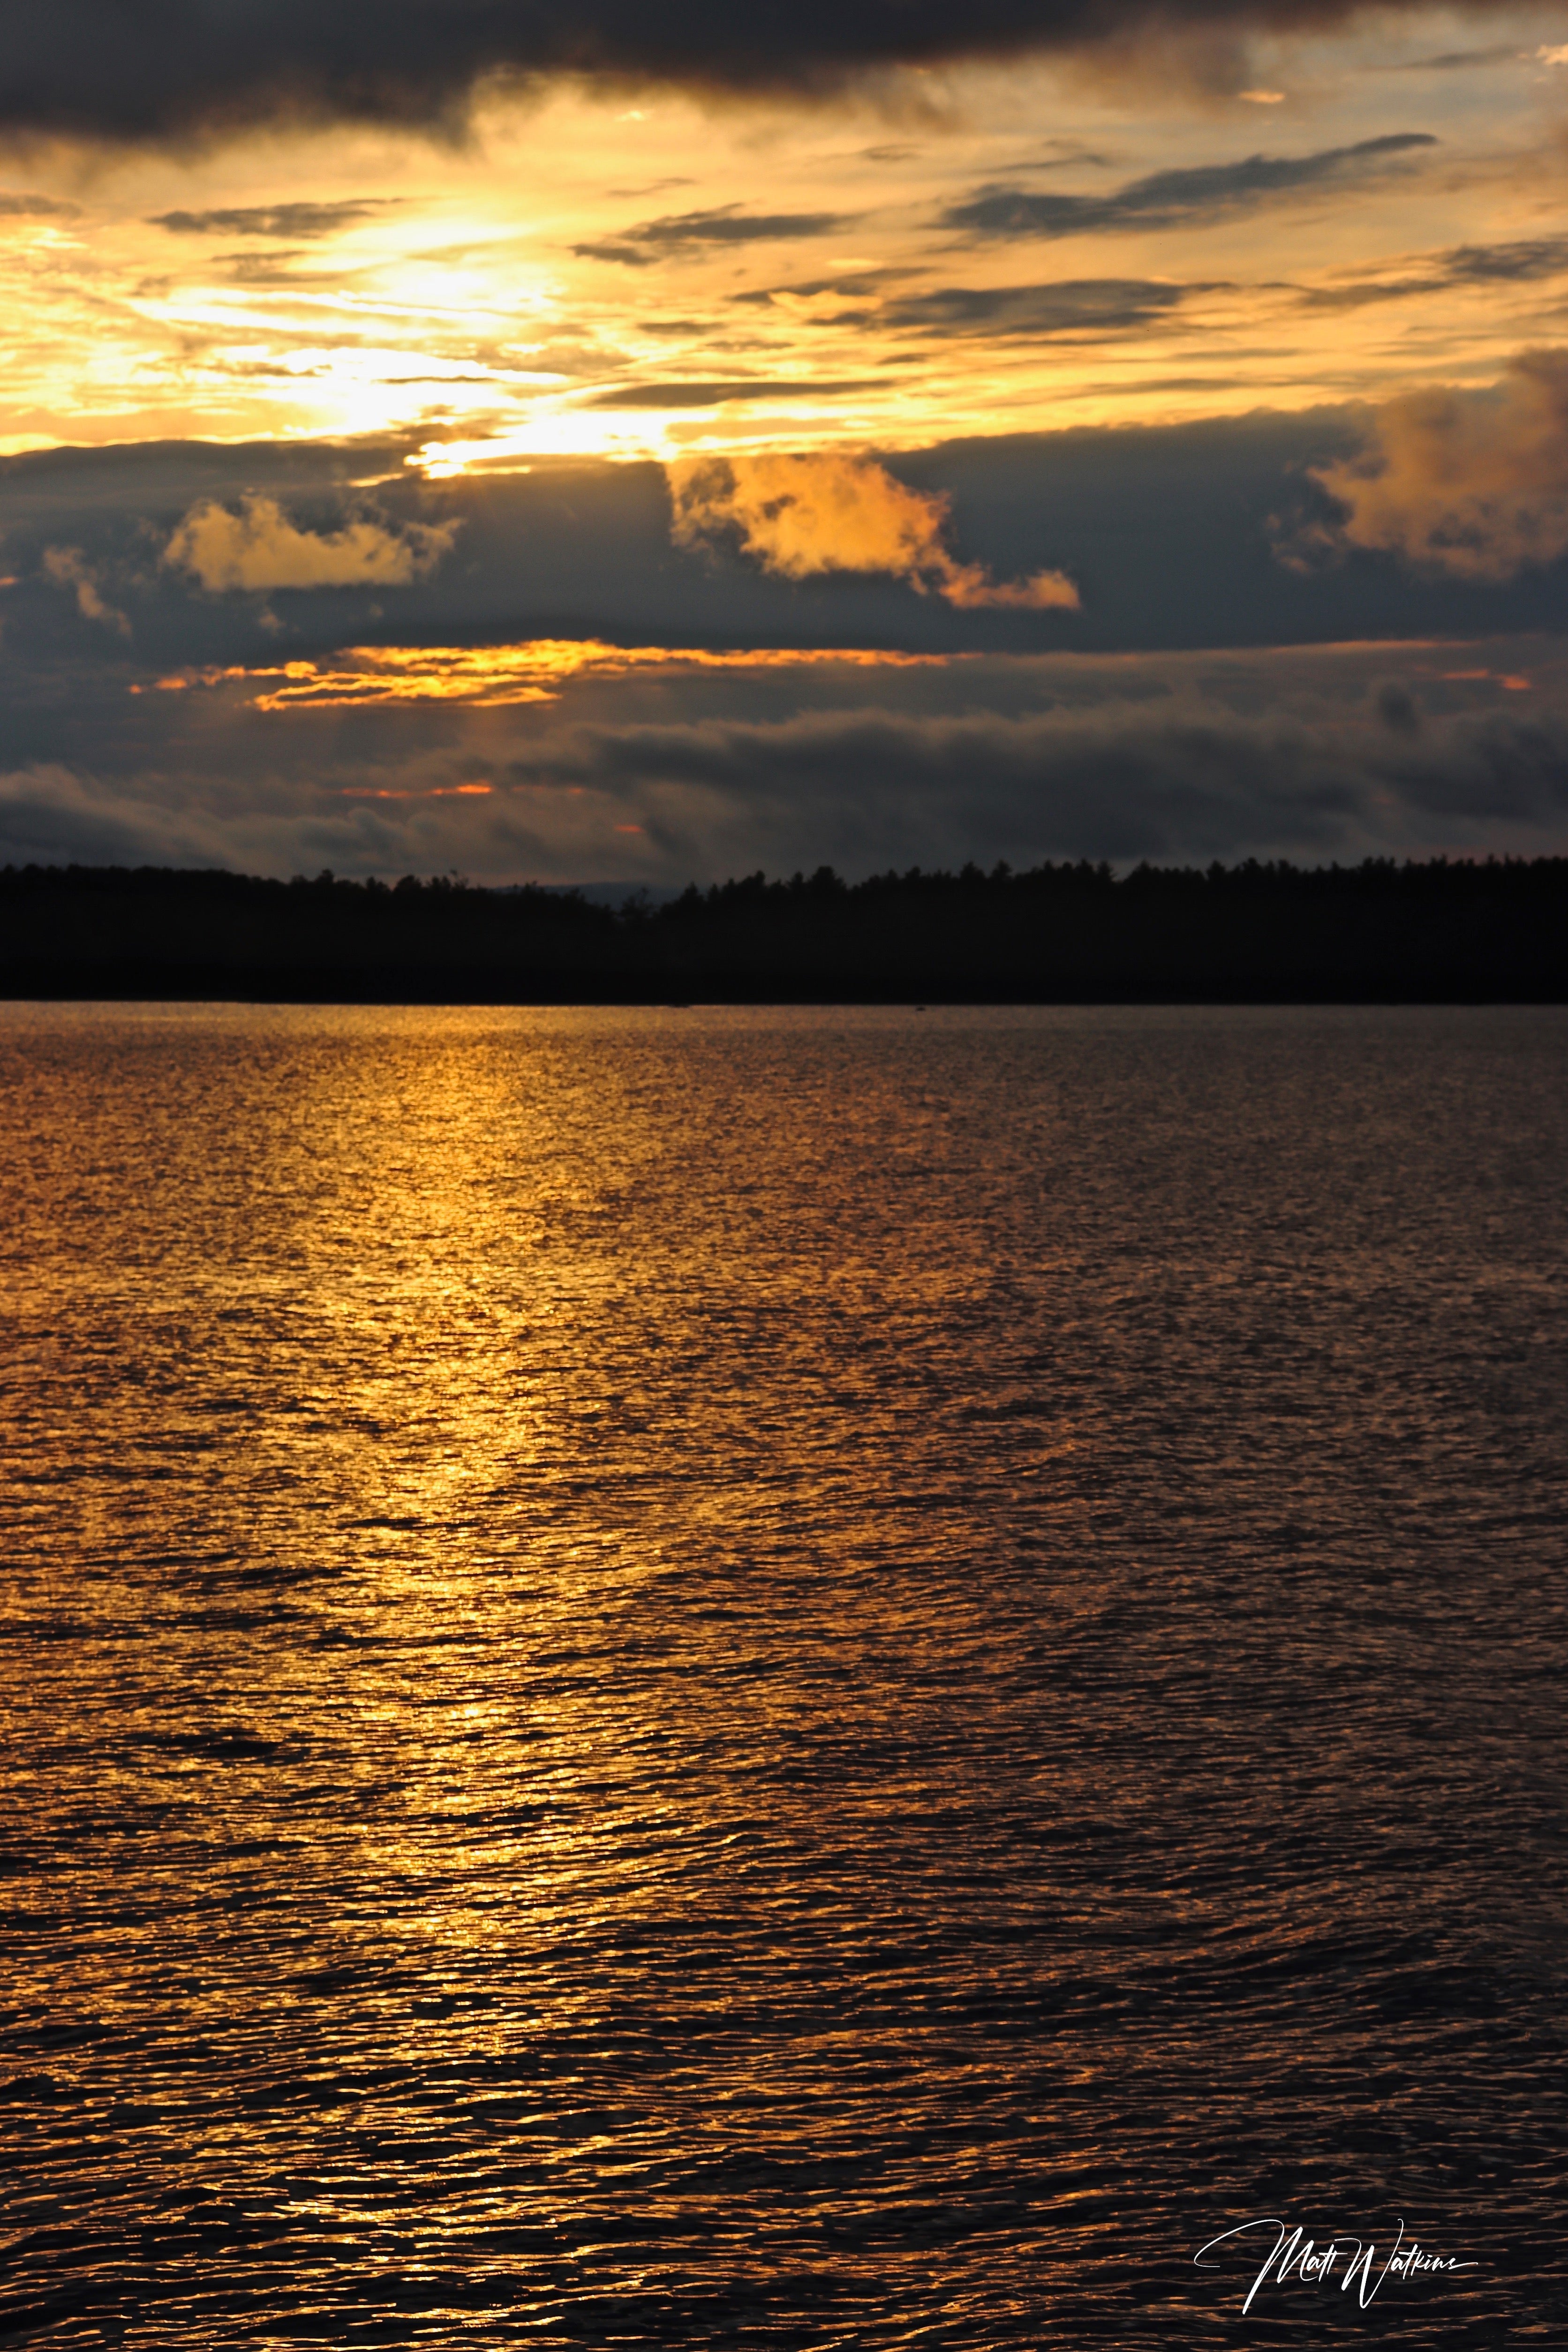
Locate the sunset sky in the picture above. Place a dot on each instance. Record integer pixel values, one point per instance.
(655, 444)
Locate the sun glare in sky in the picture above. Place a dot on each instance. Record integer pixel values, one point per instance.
(1015, 253)
(746, 433)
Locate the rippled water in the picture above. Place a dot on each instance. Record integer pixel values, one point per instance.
(781, 1679)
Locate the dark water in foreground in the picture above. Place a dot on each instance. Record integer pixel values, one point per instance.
(780, 1679)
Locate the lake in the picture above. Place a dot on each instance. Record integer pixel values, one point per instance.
(790, 1678)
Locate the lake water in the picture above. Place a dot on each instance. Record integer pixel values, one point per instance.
(782, 1678)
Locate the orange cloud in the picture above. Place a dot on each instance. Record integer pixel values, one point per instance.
(259, 548)
(1474, 483)
(393, 793)
(493, 675)
(800, 515)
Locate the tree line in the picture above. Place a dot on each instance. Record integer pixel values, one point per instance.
(1441, 930)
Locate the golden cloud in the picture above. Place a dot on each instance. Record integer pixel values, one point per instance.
(491, 676)
(1474, 483)
(259, 548)
(829, 512)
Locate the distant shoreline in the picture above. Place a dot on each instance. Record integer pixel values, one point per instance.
(1442, 932)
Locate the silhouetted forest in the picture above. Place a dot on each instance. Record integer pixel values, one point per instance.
(1442, 932)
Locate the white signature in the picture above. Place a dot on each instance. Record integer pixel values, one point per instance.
(1314, 2265)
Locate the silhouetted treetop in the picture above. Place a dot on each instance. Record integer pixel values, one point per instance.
(1439, 929)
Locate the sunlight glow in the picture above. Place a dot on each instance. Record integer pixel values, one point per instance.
(490, 676)
(580, 281)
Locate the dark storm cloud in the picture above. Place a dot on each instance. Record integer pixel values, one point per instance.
(1170, 199)
(1172, 534)
(124, 483)
(271, 220)
(1071, 306)
(710, 395)
(1118, 783)
(51, 816)
(653, 240)
(1310, 751)
(1165, 760)
(1397, 709)
(114, 69)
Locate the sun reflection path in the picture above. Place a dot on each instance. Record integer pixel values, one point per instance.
(534, 671)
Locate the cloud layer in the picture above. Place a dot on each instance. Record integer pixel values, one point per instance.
(633, 772)
(797, 516)
(1470, 483)
(1174, 199)
(768, 690)
(655, 240)
(285, 220)
(67, 567)
(1171, 536)
(1085, 308)
(261, 548)
(94, 68)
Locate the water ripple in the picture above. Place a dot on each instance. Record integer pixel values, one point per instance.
(793, 1679)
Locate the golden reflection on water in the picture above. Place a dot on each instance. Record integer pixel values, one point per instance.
(813, 1678)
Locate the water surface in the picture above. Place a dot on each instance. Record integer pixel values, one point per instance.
(779, 1679)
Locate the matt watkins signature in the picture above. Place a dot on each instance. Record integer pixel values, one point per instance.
(1344, 2261)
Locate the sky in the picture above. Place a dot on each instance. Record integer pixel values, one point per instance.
(610, 444)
